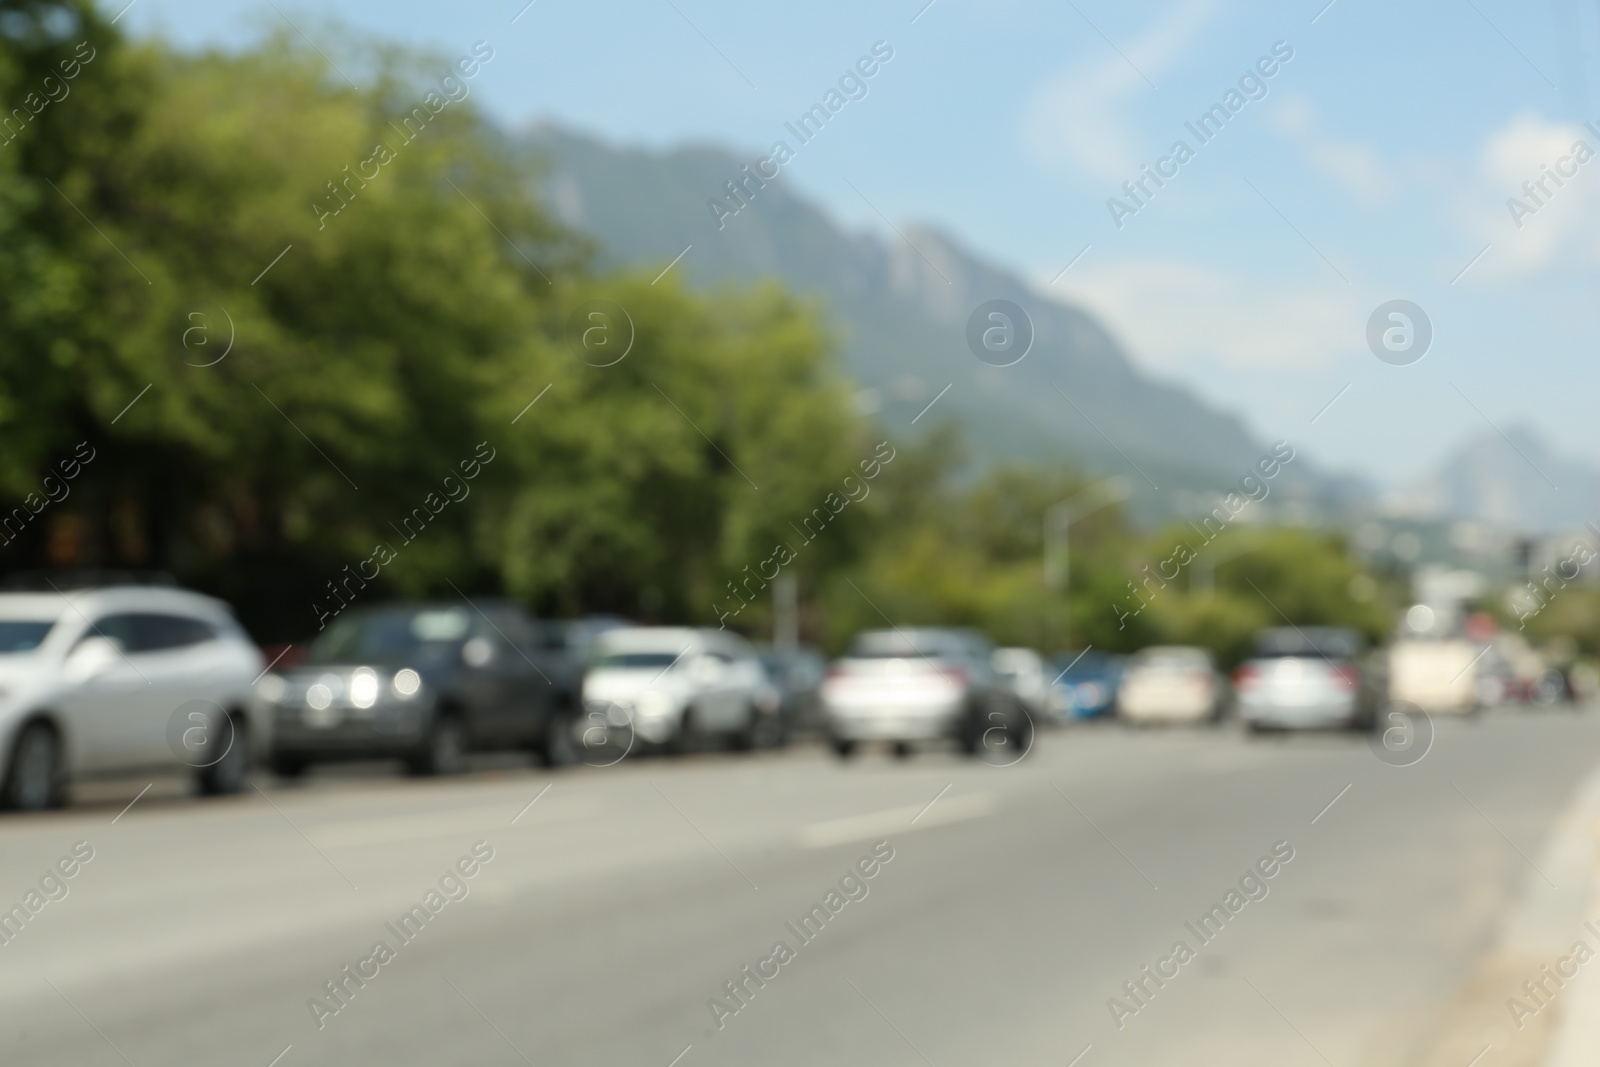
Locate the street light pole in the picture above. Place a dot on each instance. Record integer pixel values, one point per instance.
(1206, 565)
(1058, 520)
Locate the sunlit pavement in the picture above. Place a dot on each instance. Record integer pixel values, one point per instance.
(620, 900)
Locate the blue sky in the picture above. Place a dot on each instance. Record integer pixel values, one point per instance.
(1377, 166)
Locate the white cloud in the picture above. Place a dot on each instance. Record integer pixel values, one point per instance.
(1175, 314)
(1353, 165)
(1077, 116)
(1562, 232)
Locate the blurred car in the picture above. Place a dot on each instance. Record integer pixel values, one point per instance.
(1170, 683)
(797, 674)
(1023, 670)
(426, 683)
(1305, 678)
(1085, 685)
(100, 681)
(1439, 676)
(910, 686)
(677, 687)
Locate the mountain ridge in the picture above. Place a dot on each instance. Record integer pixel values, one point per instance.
(900, 309)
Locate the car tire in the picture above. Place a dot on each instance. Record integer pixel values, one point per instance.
(843, 747)
(557, 748)
(287, 766)
(683, 741)
(760, 731)
(230, 774)
(904, 750)
(443, 751)
(34, 780)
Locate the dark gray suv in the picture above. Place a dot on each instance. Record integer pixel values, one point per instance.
(426, 683)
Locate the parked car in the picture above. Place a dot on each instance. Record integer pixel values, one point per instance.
(913, 686)
(1439, 676)
(797, 674)
(1307, 677)
(1023, 670)
(426, 683)
(1085, 685)
(1170, 683)
(120, 679)
(677, 687)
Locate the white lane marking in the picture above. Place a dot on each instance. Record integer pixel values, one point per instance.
(896, 821)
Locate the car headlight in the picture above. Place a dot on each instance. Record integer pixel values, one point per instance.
(406, 683)
(655, 702)
(364, 687)
(271, 688)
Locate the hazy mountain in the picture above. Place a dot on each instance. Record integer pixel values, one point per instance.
(1513, 482)
(900, 308)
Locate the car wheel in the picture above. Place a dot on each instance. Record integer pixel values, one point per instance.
(971, 738)
(843, 747)
(287, 766)
(683, 741)
(34, 781)
(444, 751)
(228, 774)
(558, 748)
(904, 750)
(760, 731)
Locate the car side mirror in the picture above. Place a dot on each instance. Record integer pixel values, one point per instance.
(92, 657)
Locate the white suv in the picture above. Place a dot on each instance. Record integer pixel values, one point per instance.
(123, 679)
(674, 686)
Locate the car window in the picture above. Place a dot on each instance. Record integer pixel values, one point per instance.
(154, 632)
(393, 637)
(658, 660)
(119, 628)
(510, 625)
(23, 635)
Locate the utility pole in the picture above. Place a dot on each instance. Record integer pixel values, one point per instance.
(786, 612)
(1058, 520)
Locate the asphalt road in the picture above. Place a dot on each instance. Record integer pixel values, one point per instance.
(623, 898)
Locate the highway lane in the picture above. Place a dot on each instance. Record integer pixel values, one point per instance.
(623, 898)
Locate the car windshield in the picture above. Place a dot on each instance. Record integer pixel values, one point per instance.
(23, 635)
(392, 637)
(658, 660)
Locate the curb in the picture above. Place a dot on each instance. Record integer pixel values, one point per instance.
(1576, 1042)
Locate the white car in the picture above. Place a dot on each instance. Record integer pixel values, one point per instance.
(1024, 670)
(1169, 683)
(123, 679)
(676, 686)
